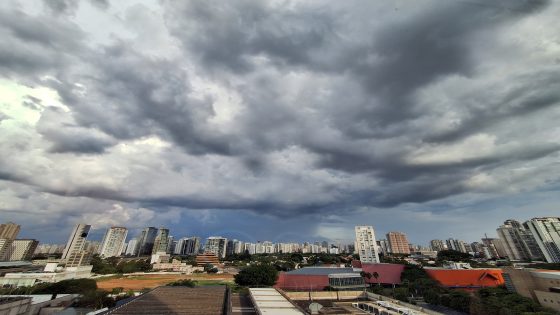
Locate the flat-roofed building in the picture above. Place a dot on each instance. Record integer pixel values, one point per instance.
(365, 244)
(216, 245)
(213, 300)
(9, 230)
(398, 243)
(113, 242)
(75, 253)
(270, 302)
(547, 235)
(21, 249)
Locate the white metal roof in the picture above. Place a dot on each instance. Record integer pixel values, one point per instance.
(268, 301)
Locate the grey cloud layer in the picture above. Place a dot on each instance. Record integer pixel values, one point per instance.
(285, 108)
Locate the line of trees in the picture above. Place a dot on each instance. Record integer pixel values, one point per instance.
(114, 265)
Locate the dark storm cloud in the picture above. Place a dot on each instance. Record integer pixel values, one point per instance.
(526, 94)
(35, 45)
(339, 84)
(61, 6)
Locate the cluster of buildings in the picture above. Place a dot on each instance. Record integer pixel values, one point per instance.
(73, 264)
(537, 239)
(13, 249)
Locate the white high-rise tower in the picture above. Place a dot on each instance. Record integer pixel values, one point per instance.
(365, 244)
(113, 242)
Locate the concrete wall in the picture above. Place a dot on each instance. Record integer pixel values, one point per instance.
(325, 295)
(549, 299)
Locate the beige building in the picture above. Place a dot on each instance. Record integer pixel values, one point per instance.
(21, 249)
(540, 285)
(398, 243)
(177, 266)
(9, 230)
(5, 245)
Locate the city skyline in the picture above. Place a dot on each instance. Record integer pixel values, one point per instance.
(278, 120)
(137, 234)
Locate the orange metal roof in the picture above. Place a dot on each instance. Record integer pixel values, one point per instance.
(467, 278)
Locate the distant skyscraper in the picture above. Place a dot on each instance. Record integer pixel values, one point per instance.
(216, 245)
(9, 230)
(113, 242)
(187, 246)
(161, 241)
(132, 247)
(547, 234)
(495, 246)
(437, 245)
(384, 246)
(519, 242)
(74, 253)
(22, 249)
(365, 244)
(398, 243)
(146, 241)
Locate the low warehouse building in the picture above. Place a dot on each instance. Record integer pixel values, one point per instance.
(318, 278)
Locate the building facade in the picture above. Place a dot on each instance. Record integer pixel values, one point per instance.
(161, 241)
(132, 247)
(74, 253)
(22, 249)
(146, 241)
(398, 243)
(437, 245)
(113, 242)
(365, 244)
(9, 230)
(546, 232)
(519, 243)
(216, 245)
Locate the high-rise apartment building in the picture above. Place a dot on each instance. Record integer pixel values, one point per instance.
(457, 245)
(146, 241)
(161, 241)
(132, 247)
(74, 253)
(398, 243)
(437, 245)
(216, 245)
(365, 244)
(9, 230)
(384, 247)
(113, 242)
(495, 246)
(519, 243)
(546, 232)
(187, 246)
(22, 249)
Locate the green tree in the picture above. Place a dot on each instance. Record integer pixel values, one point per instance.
(257, 275)
(183, 283)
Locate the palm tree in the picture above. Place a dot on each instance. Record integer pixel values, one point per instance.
(376, 276)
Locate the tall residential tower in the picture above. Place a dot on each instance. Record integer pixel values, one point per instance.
(365, 244)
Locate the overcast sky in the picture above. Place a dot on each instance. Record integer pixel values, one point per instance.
(279, 120)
